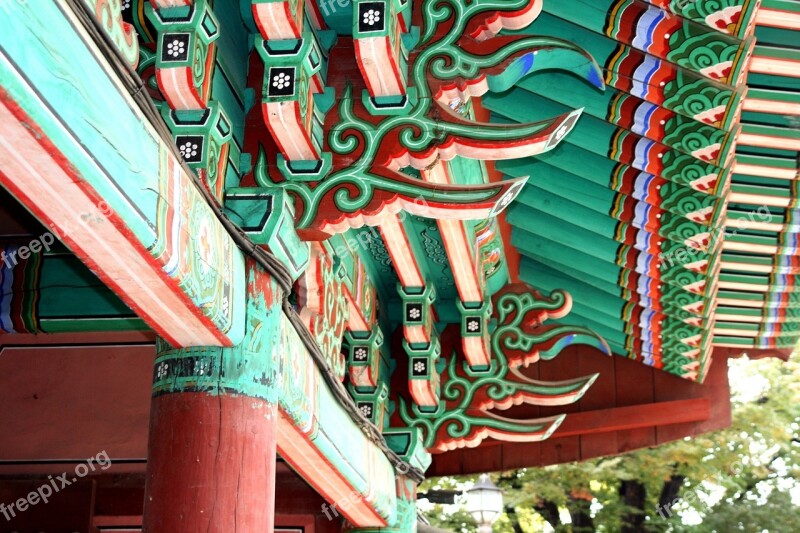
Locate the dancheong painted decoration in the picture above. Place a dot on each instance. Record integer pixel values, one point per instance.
(327, 248)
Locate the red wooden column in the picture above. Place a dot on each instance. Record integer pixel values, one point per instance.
(212, 443)
(211, 465)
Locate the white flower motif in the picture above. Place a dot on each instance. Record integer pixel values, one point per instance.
(366, 410)
(176, 48)
(281, 80)
(361, 353)
(561, 131)
(372, 17)
(162, 370)
(419, 366)
(414, 313)
(506, 199)
(472, 325)
(200, 368)
(188, 149)
(126, 4)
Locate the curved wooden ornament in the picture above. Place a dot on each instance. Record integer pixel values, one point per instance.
(278, 19)
(369, 144)
(186, 54)
(464, 415)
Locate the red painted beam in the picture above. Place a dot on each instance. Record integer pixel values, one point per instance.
(512, 254)
(635, 417)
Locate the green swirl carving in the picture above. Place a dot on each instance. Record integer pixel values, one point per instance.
(364, 182)
(520, 336)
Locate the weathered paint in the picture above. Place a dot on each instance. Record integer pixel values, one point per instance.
(60, 138)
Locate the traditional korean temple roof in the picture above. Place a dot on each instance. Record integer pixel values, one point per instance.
(669, 212)
(414, 232)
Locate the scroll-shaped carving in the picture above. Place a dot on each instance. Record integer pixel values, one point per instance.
(122, 34)
(372, 140)
(465, 415)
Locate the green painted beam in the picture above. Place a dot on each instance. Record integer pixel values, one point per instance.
(634, 114)
(664, 348)
(604, 246)
(596, 135)
(62, 87)
(760, 316)
(608, 292)
(675, 206)
(620, 63)
(586, 266)
(53, 292)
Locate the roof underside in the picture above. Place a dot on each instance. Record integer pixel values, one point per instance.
(670, 211)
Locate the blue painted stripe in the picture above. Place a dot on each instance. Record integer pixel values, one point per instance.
(6, 292)
(645, 29)
(642, 76)
(642, 151)
(641, 117)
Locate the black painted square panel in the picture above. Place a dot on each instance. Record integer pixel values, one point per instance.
(281, 82)
(371, 16)
(191, 147)
(175, 47)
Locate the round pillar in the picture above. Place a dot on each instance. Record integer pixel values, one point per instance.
(213, 427)
(211, 464)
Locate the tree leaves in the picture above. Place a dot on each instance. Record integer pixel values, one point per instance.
(737, 479)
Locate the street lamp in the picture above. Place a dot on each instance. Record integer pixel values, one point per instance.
(484, 503)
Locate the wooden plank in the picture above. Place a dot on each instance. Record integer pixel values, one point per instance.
(634, 385)
(557, 450)
(602, 394)
(603, 391)
(634, 382)
(449, 464)
(634, 439)
(667, 388)
(635, 416)
(119, 502)
(717, 388)
(560, 450)
(521, 455)
(490, 459)
(102, 394)
(560, 368)
(65, 510)
(445, 464)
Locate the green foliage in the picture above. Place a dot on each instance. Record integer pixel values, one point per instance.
(739, 479)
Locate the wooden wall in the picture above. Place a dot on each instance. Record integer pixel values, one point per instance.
(630, 406)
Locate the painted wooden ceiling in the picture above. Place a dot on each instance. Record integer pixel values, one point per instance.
(670, 211)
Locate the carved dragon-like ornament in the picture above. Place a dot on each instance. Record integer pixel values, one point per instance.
(466, 414)
(457, 55)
